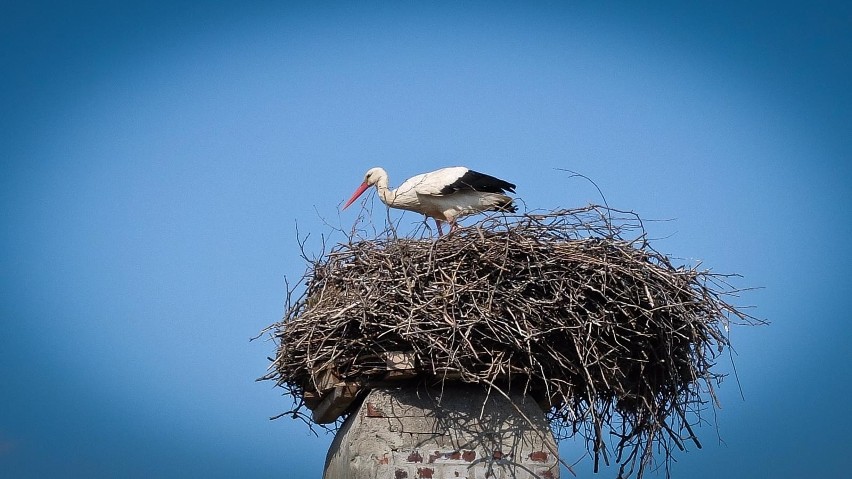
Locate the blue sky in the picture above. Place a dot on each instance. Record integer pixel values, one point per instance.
(156, 157)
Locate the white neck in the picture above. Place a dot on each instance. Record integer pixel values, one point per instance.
(385, 194)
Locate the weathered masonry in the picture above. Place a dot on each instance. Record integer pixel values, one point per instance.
(458, 431)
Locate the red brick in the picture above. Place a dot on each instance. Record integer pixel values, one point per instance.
(415, 457)
(425, 472)
(538, 456)
(373, 411)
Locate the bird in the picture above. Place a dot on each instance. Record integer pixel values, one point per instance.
(445, 195)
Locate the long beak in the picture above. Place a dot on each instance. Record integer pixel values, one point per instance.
(361, 189)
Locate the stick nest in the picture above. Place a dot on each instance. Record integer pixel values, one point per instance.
(616, 342)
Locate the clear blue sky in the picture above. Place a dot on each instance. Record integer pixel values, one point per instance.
(157, 155)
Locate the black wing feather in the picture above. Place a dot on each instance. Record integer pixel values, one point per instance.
(476, 181)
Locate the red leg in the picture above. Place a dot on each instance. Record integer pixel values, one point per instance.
(440, 231)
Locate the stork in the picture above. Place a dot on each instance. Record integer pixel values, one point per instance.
(444, 195)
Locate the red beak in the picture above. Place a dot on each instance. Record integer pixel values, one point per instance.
(361, 189)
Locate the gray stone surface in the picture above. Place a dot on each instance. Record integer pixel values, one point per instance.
(459, 431)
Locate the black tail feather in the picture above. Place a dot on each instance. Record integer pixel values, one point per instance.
(476, 181)
(507, 206)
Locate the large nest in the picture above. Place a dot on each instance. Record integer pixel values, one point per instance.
(615, 341)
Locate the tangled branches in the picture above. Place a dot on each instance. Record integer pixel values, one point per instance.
(606, 333)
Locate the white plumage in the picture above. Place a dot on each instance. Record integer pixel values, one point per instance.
(444, 195)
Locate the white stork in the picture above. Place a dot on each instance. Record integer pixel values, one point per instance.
(444, 195)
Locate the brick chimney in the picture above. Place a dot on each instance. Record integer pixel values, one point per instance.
(454, 431)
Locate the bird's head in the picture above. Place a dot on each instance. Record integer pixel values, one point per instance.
(373, 176)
